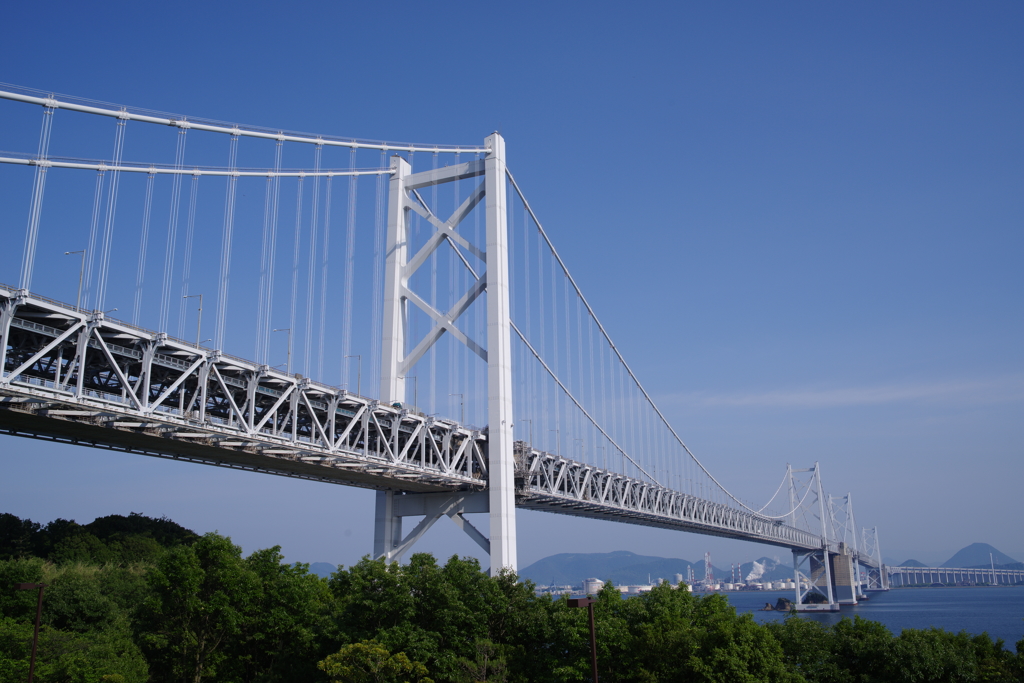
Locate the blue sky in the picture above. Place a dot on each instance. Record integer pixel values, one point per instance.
(801, 223)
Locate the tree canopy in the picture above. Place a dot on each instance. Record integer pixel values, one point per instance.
(134, 599)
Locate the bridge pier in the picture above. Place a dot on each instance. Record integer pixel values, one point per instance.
(844, 577)
(818, 578)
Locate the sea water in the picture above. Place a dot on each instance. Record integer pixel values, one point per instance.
(996, 610)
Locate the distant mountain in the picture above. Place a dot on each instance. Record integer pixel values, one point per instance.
(624, 568)
(621, 567)
(977, 554)
(913, 563)
(322, 569)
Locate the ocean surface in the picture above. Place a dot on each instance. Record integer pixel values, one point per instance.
(997, 610)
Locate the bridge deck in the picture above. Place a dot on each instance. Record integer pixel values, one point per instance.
(82, 378)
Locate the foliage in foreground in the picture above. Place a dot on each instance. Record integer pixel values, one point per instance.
(198, 611)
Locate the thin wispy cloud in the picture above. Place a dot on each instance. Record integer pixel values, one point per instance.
(988, 391)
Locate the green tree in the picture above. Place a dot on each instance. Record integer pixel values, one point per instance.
(199, 602)
(435, 614)
(808, 649)
(165, 532)
(80, 546)
(71, 657)
(667, 635)
(15, 648)
(17, 536)
(18, 604)
(370, 662)
(489, 666)
(283, 622)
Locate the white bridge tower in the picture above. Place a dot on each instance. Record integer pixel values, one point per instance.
(400, 353)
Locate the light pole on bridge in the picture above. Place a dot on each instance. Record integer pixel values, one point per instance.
(462, 408)
(531, 430)
(288, 365)
(415, 390)
(81, 273)
(199, 319)
(359, 374)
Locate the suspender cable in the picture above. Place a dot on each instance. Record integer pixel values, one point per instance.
(266, 305)
(481, 319)
(324, 254)
(569, 395)
(140, 275)
(28, 257)
(307, 355)
(172, 228)
(186, 264)
(272, 255)
(542, 336)
(433, 299)
(108, 228)
(350, 264)
(380, 228)
(296, 245)
(454, 350)
(527, 316)
(261, 307)
(231, 192)
(554, 356)
(622, 360)
(90, 258)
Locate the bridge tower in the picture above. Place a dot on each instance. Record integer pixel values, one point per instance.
(400, 352)
(817, 562)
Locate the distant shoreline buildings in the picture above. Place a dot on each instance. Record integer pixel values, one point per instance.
(592, 586)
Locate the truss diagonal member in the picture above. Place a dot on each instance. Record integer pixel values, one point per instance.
(436, 510)
(445, 323)
(444, 228)
(579, 405)
(177, 383)
(356, 419)
(471, 531)
(285, 395)
(117, 369)
(410, 442)
(383, 438)
(231, 401)
(395, 555)
(314, 420)
(435, 506)
(42, 352)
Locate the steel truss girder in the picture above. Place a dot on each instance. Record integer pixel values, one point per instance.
(558, 484)
(89, 376)
(79, 377)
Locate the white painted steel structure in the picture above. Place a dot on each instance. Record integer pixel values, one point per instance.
(923, 576)
(80, 376)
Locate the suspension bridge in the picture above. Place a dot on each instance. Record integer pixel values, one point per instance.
(489, 384)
